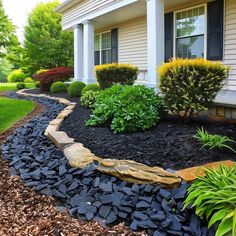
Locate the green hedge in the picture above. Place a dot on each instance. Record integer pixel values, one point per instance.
(91, 87)
(75, 89)
(58, 87)
(111, 74)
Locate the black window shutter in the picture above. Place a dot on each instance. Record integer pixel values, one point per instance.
(114, 45)
(168, 36)
(215, 27)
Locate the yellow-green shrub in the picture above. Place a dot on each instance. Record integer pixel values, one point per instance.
(16, 76)
(111, 74)
(190, 85)
(28, 80)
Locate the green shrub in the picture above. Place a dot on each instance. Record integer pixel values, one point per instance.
(213, 140)
(111, 74)
(190, 86)
(20, 85)
(75, 89)
(16, 76)
(89, 98)
(91, 87)
(37, 84)
(58, 87)
(214, 198)
(126, 108)
(28, 80)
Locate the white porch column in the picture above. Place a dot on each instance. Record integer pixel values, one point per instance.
(155, 37)
(88, 52)
(78, 53)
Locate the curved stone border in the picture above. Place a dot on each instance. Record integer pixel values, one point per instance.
(79, 156)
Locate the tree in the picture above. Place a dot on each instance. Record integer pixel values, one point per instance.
(46, 45)
(5, 69)
(8, 38)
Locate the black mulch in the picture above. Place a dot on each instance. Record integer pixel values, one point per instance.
(59, 95)
(170, 144)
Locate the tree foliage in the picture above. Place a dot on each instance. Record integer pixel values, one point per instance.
(8, 38)
(46, 45)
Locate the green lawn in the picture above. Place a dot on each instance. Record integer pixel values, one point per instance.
(12, 110)
(12, 86)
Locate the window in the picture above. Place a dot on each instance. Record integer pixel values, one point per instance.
(102, 47)
(190, 31)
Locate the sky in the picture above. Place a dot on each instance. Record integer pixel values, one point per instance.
(18, 11)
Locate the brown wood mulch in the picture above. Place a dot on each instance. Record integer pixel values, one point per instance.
(23, 212)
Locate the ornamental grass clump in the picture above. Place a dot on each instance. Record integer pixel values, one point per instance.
(214, 198)
(190, 85)
(111, 74)
(126, 108)
(213, 140)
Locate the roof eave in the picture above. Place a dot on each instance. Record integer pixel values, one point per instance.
(66, 5)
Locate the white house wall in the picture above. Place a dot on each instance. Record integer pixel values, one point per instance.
(230, 41)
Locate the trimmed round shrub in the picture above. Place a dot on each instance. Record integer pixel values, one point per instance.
(89, 98)
(75, 89)
(28, 80)
(20, 85)
(190, 86)
(126, 108)
(16, 76)
(91, 87)
(58, 87)
(111, 74)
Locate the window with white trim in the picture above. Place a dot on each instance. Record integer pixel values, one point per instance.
(190, 32)
(102, 47)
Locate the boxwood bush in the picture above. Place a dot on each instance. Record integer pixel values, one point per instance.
(126, 108)
(111, 74)
(88, 98)
(190, 86)
(75, 89)
(214, 198)
(20, 85)
(91, 87)
(58, 87)
(28, 80)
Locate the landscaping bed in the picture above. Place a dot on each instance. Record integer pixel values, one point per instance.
(170, 144)
(89, 194)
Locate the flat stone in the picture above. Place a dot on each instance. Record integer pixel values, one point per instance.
(142, 205)
(165, 194)
(134, 172)
(190, 174)
(111, 218)
(79, 156)
(60, 139)
(104, 211)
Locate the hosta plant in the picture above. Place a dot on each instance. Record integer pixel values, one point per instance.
(214, 198)
(126, 108)
(213, 140)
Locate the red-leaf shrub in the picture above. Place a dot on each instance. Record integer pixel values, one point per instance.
(47, 78)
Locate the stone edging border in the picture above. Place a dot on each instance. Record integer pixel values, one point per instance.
(131, 171)
(79, 156)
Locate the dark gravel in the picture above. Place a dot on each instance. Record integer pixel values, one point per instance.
(170, 144)
(91, 195)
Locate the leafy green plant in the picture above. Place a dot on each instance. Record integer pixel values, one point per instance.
(91, 87)
(20, 85)
(214, 198)
(213, 140)
(89, 98)
(190, 85)
(126, 108)
(58, 87)
(75, 89)
(111, 74)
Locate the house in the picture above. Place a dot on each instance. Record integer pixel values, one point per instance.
(148, 32)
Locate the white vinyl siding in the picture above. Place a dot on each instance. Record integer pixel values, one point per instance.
(132, 43)
(82, 9)
(230, 42)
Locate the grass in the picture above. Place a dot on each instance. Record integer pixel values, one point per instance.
(12, 110)
(12, 86)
